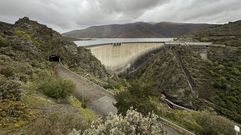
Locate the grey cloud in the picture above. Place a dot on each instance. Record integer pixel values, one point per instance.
(64, 15)
(205, 11)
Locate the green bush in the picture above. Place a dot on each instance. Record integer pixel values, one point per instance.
(23, 35)
(57, 89)
(12, 112)
(9, 89)
(57, 124)
(136, 96)
(3, 41)
(7, 72)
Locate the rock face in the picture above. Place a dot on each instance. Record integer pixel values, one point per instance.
(36, 41)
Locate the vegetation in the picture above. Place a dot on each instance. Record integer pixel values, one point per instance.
(228, 34)
(27, 81)
(132, 123)
(57, 124)
(26, 74)
(12, 112)
(86, 113)
(3, 41)
(200, 122)
(138, 96)
(23, 35)
(57, 89)
(219, 80)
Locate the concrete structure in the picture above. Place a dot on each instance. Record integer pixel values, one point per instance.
(118, 57)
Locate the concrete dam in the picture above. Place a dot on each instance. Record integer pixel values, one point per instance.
(118, 57)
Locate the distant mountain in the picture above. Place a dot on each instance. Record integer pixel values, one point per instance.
(138, 30)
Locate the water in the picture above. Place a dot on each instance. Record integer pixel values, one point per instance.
(97, 41)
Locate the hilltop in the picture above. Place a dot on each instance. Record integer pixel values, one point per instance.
(35, 41)
(137, 30)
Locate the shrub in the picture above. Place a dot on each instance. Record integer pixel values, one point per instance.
(8, 72)
(137, 96)
(57, 89)
(12, 112)
(23, 35)
(9, 89)
(213, 124)
(3, 42)
(132, 124)
(57, 124)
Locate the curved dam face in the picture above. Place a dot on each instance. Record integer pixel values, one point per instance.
(119, 57)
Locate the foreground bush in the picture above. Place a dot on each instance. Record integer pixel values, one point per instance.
(57, 124)
(132, 124)
(57, 89)
(13, 112)
(9, 89)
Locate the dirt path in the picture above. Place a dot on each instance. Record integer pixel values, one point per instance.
(95, 96)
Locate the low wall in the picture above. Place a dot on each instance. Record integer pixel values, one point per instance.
(118, 58)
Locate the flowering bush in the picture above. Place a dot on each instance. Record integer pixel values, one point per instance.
(131, 124)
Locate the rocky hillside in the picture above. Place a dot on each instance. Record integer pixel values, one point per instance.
(215, 81)
(137, 30)
(229, 34)
(28, 40)
(28, 85)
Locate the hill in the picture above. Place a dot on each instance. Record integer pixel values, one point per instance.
(33, 100)
(137, 30)
(30, 94)
(215, 80)
(228, 34)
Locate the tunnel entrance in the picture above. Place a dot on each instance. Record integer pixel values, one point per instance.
(54, 58)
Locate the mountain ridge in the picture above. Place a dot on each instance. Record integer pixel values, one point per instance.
(138, 30)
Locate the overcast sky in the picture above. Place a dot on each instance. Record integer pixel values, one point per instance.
(65, 15)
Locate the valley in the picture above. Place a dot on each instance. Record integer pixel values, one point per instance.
(192, 84)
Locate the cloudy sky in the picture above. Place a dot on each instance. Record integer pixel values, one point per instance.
(65, 15)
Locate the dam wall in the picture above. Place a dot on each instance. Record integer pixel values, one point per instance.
(121, 57)
(118, 57)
